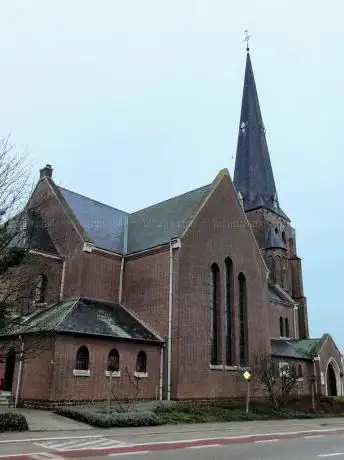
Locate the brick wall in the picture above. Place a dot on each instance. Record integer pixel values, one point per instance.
(278, 310)
(146, 288)
(66, 386)
(101, 276)
(220, 230)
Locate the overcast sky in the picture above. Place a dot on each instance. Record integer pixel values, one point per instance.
(135, 101)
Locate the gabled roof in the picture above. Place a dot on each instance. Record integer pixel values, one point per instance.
(253, 175)
(285, 349)
(104, 225)
(87, 317)
(115, 230)
(157, 224)
(309, 346)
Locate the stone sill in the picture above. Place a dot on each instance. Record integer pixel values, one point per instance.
(81, 373)
(220, 367)
(114, 374)
(216, 367)
(141, 375)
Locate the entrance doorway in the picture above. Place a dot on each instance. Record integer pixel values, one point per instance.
(9, 370)
(331, 381)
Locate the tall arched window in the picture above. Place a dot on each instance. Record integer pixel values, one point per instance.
(113, 361)
(286, 327)
(141, 362)
(299, 372)
(229, 313)
(40, 289)
(215, 357)
(281, 326)
(82, 359)
(243, 341)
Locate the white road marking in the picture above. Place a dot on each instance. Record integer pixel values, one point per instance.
(45, 456)
(82, 444)
(204, 447)
(8, 441)
(314, 437)
(266, 440)
(130, 453)
(335, 454)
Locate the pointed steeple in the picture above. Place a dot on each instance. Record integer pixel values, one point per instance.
(253, 176)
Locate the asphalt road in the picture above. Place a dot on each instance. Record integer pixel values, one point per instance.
(290, 439)
(316, 448)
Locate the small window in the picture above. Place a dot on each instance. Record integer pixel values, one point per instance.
(141, 362)
(113, 361)
(40, 289)
(276, 230)
(281, 327)
(284, 370)
(286, 321)
(284, 238)
(82, 359)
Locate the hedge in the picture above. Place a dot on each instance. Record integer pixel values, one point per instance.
(114, 419)
(10, 421)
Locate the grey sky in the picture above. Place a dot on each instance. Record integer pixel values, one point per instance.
(135, 101)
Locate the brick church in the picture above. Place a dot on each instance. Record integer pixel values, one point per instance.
(180, 296)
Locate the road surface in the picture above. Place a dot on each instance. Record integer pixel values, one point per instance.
(296, 440)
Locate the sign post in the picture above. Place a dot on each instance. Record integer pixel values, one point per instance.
(247, 376)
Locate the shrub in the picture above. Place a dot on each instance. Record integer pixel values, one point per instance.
(101, 419)
(11, 421)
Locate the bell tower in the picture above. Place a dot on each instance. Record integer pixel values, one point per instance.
(256, 188)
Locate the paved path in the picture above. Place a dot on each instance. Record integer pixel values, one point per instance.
(163, 441)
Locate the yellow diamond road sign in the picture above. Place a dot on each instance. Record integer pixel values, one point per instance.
(247, 375)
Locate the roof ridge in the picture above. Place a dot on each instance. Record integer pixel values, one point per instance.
(169, 199)
(146, 325)
(69, 311)
(92, 199)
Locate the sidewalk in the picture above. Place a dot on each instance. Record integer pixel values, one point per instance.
(39, 421)
(48, 425)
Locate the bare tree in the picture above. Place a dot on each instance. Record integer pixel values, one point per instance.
(19, 272)
(279, 378)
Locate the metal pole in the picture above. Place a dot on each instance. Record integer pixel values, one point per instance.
(248, 397)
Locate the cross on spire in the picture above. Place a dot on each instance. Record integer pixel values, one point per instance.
(247, 39)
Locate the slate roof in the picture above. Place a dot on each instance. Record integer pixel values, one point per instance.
(287, 349)
(309, 346)
(157, 224)
(87, 317)
(104, 225)
(273, 240)
(253, 175)
(27, 230)
(115, 230)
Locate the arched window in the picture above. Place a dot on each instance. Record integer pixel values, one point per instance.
(215, 357)
(82, 359)
(113, 361)
(281, 327)
(243, 345)
(141, 362)
(286, 323)
(229, 312)
(276, 230)
(40, 289)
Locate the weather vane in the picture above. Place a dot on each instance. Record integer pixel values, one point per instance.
(247, 39)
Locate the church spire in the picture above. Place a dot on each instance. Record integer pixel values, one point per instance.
(253, 176)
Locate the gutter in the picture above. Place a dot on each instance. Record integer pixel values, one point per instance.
(175, 243)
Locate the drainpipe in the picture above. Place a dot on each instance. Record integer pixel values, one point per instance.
(294, 311)
(174, 244)
(161, 377)
(20, 372)
(316, 358)
(120, 290)
(63, 279)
